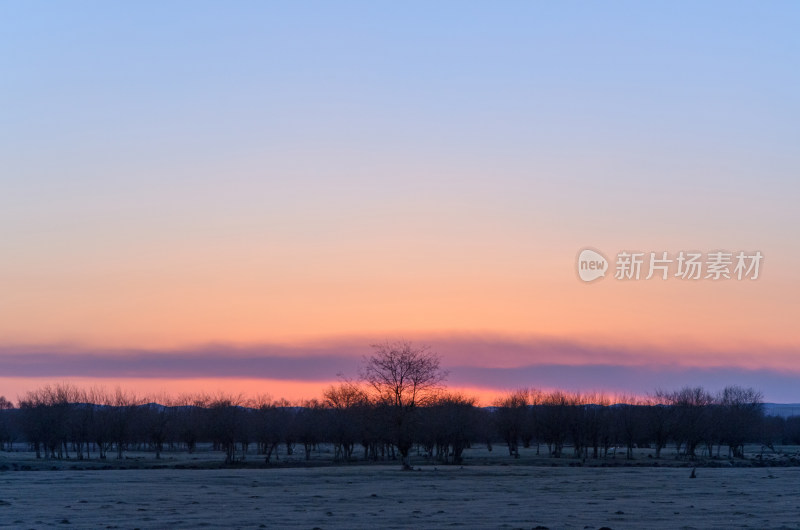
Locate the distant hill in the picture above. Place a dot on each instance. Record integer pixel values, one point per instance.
(782, 409)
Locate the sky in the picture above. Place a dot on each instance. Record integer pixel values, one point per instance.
(246, 195)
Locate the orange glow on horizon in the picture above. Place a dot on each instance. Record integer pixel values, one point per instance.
(295, 392)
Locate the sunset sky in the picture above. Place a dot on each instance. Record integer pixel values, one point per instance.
(244, 196)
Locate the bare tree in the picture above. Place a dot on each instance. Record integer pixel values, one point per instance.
(691, 406)
(187, 415)
(309, 425)
(454, 428)
(49, 418)
(403, 377)
(8, 420)
(629, 417)
(554, 419)
(511, 415)
(347, 402)
(271, 421)
(224, 415)
(154, 424)
(101, 420)
(742, 412)
(402, 374)
(123, 406)
(595, 417)
(399, 404)
(660, 419)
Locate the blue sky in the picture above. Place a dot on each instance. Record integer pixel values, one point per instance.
(185, 173)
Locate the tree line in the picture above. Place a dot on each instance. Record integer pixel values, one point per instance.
(398, 405)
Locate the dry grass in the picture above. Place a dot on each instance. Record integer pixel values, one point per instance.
(382, 496)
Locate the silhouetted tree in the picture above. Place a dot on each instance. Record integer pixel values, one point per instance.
(8, 424)
(122, 410)
(692, 417)
(630, 424)
(154, 425)
(511, 417)
(186, 416)
(309, 425)
(453, 422)
(553, 417)
(403, 377)
(741, 414)
(271, 419)
(659, 421)
(401, 404)
(224, 423)
(348, 404)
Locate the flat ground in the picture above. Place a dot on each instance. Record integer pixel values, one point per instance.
(385, 497)
(492, 490)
